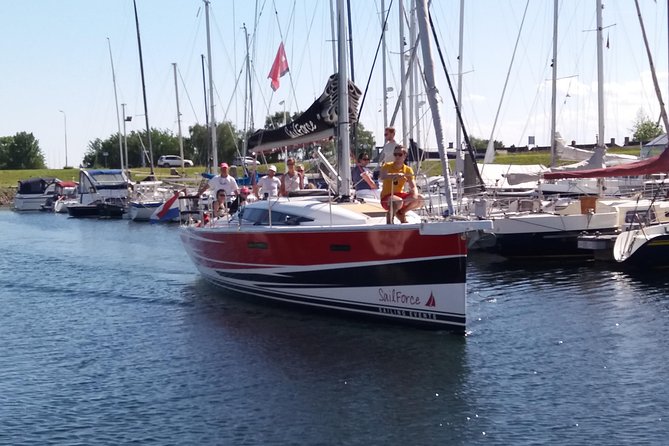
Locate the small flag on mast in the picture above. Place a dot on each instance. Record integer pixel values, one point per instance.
(279, 67)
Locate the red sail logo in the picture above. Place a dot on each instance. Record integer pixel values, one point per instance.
(430, 301)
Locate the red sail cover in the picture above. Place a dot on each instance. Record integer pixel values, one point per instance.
(656, 164)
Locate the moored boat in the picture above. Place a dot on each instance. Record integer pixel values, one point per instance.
(644, 247)
(102, 193)
(33, 193)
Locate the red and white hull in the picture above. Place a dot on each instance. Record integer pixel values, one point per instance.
(412, 273)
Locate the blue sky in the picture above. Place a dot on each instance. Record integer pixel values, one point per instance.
(55, 57)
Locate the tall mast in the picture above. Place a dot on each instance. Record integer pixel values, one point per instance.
(344, 152)
(663, 111)
(459, 158)
(212, 119)
(600, 76)
(554, 84)
(403, 75)
(247, 86)
(181, 140)
(146, 108)
(334, 37)
(432, 96)
(118, 122)
(206, 115)
(412, 72)
(384, 63)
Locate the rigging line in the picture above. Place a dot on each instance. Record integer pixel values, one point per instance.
(376, 55)
(508, 73)
(183, 84)
(414, 51)
(457, 106)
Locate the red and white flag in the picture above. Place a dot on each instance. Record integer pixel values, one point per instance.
(279, 67)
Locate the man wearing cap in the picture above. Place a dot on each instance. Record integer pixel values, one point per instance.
(239, 200)
(269, 185)
(224, 182)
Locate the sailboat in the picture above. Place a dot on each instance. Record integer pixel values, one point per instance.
(539, 229)
(331, 253)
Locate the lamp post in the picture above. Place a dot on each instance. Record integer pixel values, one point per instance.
(65, 126)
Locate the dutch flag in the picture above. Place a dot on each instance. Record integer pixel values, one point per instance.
(167, 211)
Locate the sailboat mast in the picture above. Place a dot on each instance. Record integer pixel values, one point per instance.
(118, 121)
(181, 140)
(246, 94)
(554, 84)
(212, 119)
(146, 108)
(206, 114)
(384, 63)
(663, 111)
(432, 96)
(403, 75)
(459, 155)
(600, 76)
(344, 146)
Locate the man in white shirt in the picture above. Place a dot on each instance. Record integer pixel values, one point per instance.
(269, 185)
(224, 182)
(388, 146)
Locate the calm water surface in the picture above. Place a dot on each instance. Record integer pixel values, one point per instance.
(109, 336)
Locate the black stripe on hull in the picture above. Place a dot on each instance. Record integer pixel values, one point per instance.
(420, 318)
(422, 272)
(539, 244)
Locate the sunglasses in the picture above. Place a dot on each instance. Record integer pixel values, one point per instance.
(291, 164)
(398, 154)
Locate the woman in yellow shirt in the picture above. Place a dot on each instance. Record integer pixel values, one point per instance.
(395, 176)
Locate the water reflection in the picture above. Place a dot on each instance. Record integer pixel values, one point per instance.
(316, 362)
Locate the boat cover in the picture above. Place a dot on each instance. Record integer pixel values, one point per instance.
(656, 164)
(318, 122)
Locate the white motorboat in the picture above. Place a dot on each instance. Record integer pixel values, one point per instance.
(33, 193)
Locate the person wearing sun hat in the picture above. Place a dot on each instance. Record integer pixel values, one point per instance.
(269, 185)
(242, 198)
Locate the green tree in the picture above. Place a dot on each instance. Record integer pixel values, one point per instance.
(21, 151)
(479, 144)
(227, 139)
(163, 142)
(5, 141)
(644, 129)
(364, 140)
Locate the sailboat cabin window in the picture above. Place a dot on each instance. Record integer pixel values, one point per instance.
(262, 217)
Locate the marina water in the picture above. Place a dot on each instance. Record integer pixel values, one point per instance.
(109, 336)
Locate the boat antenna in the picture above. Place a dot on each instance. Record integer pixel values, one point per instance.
(146, 110)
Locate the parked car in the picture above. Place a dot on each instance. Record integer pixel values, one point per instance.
(246, 161)
(173, 161)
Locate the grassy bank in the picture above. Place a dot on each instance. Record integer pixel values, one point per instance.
(9, 178)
